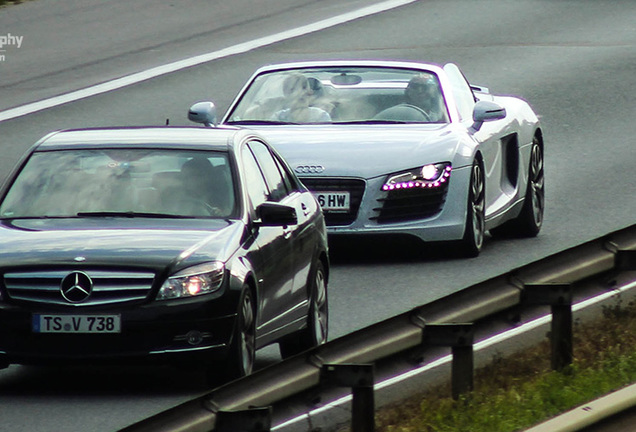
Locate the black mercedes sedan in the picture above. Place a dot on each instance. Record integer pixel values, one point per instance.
(175, 244)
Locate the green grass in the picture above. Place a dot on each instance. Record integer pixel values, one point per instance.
(513, 394)
(4, 3)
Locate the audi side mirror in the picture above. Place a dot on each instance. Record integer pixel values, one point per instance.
(486, 111)
(203, 112)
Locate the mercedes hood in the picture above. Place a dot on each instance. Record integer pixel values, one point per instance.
(113, 242)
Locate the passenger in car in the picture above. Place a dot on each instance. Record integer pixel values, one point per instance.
(319, 98)
(298, 95)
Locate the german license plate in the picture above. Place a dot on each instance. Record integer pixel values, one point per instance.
(333, 201)
(76, 323)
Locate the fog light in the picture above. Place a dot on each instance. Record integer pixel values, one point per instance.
(194, 337)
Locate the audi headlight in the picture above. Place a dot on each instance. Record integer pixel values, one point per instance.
(427, 176)
(193, 281)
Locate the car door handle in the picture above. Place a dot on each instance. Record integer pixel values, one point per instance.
(287, 233)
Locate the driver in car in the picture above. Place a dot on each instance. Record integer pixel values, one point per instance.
(423, 92)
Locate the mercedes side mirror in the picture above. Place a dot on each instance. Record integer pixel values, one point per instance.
(275, 214)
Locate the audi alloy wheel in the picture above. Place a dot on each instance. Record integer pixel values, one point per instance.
(473, 240)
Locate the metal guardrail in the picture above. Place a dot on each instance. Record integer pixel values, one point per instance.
(590, 413)
(390, 337)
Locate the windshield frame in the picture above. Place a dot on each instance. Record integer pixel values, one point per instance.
(77, 182)
(337, 83)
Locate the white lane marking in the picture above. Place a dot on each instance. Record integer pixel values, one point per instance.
(200, 59)
(509, 334)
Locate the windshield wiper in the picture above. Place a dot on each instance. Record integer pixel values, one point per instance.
(35, 217)
(373, 121)
(132, 214)
(257, 122)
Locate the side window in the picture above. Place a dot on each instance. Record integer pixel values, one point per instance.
(462, 93)
(256, 187)
(290, 184)
(278, 187)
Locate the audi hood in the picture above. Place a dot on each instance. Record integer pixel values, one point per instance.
(364, 151)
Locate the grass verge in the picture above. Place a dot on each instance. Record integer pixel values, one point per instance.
(513, 394)
(4, 3)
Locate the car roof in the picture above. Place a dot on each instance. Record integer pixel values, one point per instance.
(351, 63)
(154, 136)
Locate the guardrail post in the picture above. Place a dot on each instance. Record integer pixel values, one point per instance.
(559, 297)
(360, 378)
(625, 260)
(460, 338)
(251, 420)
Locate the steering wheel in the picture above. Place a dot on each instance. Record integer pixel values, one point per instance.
(427, 117)
(403, 113)
(197, 207)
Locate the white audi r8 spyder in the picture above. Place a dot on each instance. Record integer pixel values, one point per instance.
(392, 147)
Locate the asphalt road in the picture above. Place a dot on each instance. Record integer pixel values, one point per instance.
(573, 60)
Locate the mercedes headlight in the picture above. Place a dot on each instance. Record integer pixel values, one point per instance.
(193, 281)
(427, 176)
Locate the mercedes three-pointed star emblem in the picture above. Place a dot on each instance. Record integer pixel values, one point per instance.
(76, 287)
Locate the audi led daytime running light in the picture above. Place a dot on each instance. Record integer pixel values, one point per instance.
(428, 177)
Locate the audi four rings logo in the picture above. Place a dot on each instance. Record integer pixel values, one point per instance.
(309, 169)
(76, 287)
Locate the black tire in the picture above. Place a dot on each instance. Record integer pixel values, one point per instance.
(470, 245)
(242, 350)
(530, 220)
(317, 329)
